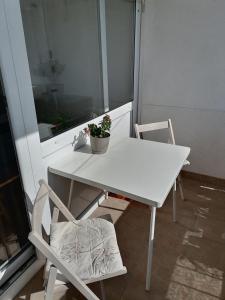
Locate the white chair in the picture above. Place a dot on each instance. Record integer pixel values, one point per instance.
(139, 129)
(79, 252)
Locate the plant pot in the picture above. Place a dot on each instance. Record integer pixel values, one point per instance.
(99, 145)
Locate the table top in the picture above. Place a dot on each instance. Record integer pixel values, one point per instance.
(141, 170)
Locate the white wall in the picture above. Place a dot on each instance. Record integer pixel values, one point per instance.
(183, 76)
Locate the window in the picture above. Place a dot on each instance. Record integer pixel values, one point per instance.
(80, 54)
(120, 24)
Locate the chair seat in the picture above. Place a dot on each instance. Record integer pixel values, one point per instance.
(88, 246)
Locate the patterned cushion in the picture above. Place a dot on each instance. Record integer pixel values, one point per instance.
(88, 246)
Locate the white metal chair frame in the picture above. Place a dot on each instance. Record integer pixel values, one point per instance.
(139, 129)
(44, 194)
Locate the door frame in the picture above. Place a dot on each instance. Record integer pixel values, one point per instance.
(25, 137)
(18, 90)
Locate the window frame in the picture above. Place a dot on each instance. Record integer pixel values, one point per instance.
(21, 65)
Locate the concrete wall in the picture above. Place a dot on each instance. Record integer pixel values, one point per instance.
(183, 76)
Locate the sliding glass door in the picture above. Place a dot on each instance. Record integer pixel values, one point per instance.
(81, 57)
(15, 249)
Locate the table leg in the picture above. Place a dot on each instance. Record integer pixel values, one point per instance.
(70, 194)
(102, 290)
(180, 187)
(150, 247)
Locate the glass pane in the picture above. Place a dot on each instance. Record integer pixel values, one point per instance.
(63, 45)
(14, 220)
(120, 26)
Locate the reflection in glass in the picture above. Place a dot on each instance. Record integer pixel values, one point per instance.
(62, 39)
(120, 32)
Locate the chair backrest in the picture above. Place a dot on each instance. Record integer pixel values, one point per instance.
(156, 126)
(44, 194)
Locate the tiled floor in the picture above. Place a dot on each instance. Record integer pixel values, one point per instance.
(189, 256)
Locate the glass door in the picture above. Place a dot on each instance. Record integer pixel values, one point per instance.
(15, 249)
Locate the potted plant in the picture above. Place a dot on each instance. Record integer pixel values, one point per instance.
(99, 135)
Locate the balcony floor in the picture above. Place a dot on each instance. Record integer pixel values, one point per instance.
(189, 256)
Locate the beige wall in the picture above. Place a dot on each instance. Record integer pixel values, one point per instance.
(183, 76)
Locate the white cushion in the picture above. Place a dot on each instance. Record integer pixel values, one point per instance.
(88, 246)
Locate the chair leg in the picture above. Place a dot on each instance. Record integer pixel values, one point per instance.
(174, 202)
(106, 195)
(102, 290)
(70, 194)
(51, 283)
(180, 187)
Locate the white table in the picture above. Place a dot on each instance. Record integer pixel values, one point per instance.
(144, 171)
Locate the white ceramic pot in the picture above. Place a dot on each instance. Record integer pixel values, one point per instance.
(99, 145)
